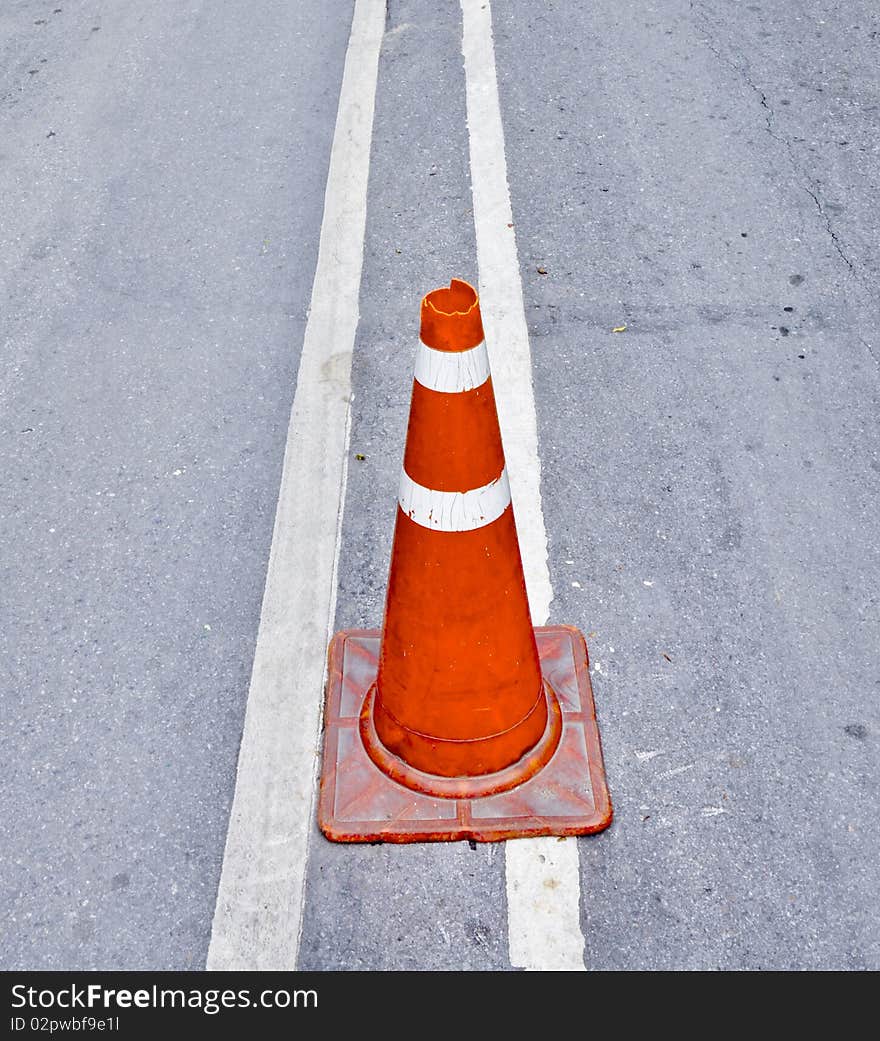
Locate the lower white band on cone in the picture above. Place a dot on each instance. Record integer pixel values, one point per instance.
(454, 511)
(452, 372)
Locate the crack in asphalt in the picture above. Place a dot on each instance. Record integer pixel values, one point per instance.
(869, 349)
(741, 69)
(832, 233)
(812, 186)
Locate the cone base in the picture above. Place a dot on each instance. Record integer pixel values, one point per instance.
(567, 794)
(462, 787)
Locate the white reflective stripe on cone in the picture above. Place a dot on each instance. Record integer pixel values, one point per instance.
(454, 511)
(451, 372)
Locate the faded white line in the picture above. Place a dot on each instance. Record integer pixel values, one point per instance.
(543, 875)
(258, 915)
(674, 773)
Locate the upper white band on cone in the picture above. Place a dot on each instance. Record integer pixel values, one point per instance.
(452, 371)
(454, 511)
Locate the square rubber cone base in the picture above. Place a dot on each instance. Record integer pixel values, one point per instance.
(359, 803)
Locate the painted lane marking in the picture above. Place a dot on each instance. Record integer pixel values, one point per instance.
(454, 511)
(543, 875)
(258, 915)
(452, 372)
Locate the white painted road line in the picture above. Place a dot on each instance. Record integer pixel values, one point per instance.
(543, 876)
(257, 919)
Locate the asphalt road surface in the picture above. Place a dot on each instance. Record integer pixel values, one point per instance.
(704, 176)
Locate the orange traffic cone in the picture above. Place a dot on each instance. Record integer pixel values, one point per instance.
(459, 720)
(459, 691)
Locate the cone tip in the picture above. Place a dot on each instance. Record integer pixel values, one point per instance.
(450, 317)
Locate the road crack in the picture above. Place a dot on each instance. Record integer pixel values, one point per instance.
(831, 232)
(811, 185)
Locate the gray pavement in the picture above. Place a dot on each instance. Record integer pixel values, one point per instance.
(163, 171)
(714, 479)
(704, 174)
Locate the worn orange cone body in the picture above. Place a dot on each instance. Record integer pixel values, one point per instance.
(459, 691)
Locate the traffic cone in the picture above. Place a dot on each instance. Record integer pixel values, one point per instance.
(459, 691)
(458, 720)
